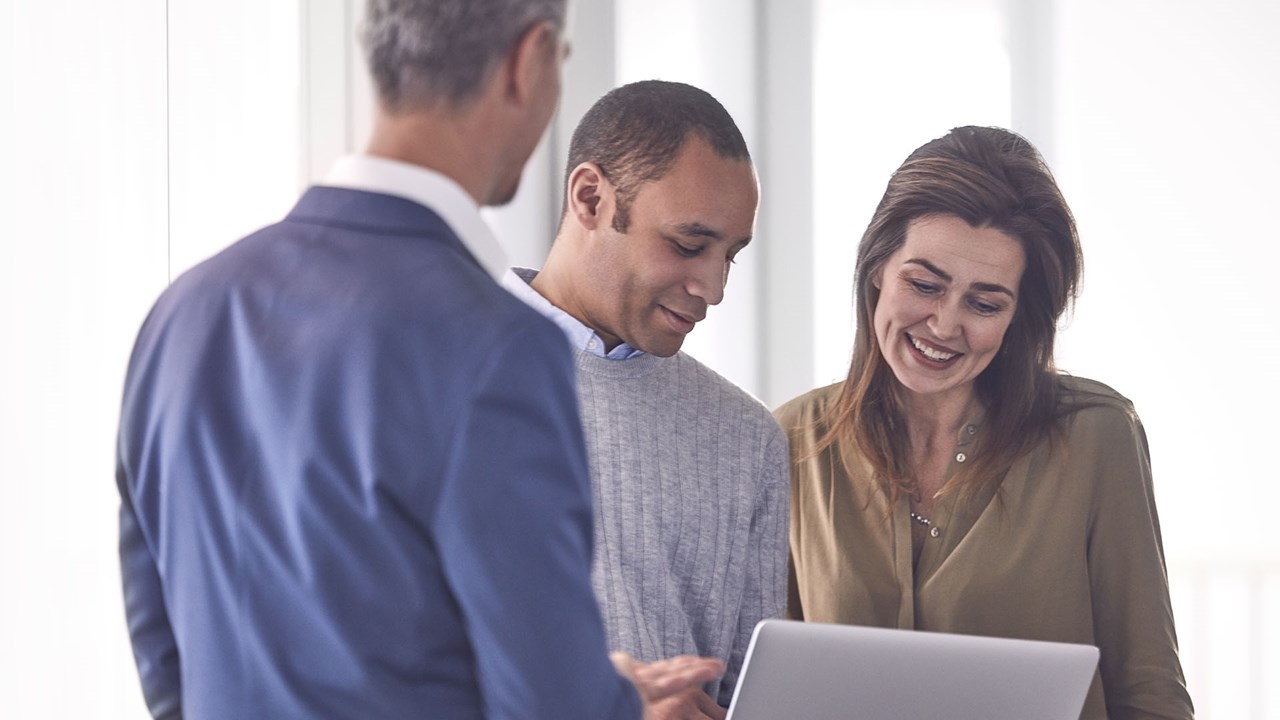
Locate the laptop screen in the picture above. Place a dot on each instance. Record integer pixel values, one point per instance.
(817, 671)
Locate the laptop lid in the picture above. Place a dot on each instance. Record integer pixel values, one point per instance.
(818, 671)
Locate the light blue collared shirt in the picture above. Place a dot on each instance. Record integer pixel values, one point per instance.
(517, 280)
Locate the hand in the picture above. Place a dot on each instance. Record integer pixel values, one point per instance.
(667, 678)
(692, 704)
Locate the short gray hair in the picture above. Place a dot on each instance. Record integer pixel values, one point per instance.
(422, 52)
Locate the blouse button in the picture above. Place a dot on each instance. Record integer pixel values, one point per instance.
(934, 532)
(961, 457)
(972, 429)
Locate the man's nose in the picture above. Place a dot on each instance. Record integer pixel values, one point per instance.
(709, 280)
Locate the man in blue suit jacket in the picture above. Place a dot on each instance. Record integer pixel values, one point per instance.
(352, 476)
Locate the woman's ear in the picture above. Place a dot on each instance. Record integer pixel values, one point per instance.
(590, 196)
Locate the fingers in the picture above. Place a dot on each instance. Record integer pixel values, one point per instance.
(625, 665)
(692, 704)
(708, 707)
(667, 677)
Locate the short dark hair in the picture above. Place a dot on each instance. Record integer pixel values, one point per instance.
(424, 52)
(635, 132)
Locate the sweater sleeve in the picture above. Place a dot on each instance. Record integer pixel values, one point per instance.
(765, 589)
(1133, 619)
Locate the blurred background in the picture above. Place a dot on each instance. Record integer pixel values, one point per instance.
(137, 138)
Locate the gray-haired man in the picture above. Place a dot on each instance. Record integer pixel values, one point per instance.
(351, 467)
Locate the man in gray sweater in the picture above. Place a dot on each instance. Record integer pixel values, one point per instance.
(689, 471)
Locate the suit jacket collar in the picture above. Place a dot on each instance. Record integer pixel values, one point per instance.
(429, 189)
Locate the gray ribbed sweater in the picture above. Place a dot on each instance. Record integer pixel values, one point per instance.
(691, 485)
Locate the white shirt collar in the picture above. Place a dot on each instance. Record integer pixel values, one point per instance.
(429, 189)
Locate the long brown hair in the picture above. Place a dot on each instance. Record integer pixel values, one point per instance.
(993, 178)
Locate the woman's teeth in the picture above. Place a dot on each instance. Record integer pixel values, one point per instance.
(930, 352)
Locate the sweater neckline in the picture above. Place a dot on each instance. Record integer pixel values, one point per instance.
(636, 366)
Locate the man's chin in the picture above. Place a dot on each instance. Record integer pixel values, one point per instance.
(664, 349)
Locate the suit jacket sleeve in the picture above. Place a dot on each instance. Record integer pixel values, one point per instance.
(513, 527)
(154, 648)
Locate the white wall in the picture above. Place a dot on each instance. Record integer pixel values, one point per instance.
(83, 199)
(137, 139)
(233, 121)
(788, 334)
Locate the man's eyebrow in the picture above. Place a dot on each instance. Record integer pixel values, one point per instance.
(697, 229)
(980, 286)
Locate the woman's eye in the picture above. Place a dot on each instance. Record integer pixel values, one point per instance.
(985, 308)
(923, 288)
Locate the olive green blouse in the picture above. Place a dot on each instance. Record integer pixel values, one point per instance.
(1067, 549)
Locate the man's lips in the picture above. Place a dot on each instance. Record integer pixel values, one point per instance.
(681, 321)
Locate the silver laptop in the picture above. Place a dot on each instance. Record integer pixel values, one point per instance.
(817, 671)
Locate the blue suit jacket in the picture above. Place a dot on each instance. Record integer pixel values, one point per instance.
(353, 484)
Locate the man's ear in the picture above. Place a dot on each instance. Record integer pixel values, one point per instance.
(591, 196)
(529, 59)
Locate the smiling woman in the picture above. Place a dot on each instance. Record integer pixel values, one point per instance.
(941, 327)
(955, 482)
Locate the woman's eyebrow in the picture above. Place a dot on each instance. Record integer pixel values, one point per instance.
(930, 267)
(993, 287)
(980, 286)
